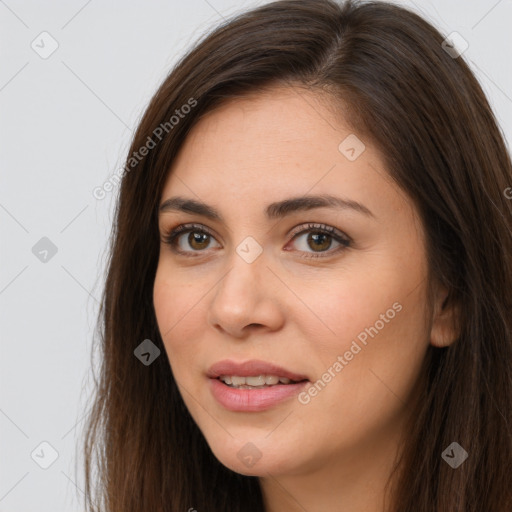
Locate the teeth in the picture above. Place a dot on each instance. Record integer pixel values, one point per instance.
(256, 381)
(237, 381)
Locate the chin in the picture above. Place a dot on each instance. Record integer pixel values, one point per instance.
(249, 458)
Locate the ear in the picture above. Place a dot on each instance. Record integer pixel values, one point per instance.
(444, 330)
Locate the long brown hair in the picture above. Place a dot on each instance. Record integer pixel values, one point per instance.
(425, 111)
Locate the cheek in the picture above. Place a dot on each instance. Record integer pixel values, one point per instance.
(165, 300)
(381, 296)
(344, 305)
(176, 305)
(371, 340)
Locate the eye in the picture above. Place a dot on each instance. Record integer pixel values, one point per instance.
(198, 239)
(320, 238)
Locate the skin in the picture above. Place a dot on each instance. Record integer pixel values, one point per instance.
(299, 313)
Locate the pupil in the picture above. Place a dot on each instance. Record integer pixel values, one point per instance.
(315, 238)
(198, 238)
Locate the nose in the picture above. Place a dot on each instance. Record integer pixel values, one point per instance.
(247, 298)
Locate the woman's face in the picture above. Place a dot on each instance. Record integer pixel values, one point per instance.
(343, 308)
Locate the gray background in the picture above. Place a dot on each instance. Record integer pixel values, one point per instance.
(66, 123)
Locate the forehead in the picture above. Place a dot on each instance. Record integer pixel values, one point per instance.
(278, 143)
(282, 132)
(279, 118)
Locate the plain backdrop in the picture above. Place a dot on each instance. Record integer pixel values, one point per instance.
(66, 123)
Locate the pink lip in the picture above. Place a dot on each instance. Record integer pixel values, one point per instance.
(252, 400)
(248, 368)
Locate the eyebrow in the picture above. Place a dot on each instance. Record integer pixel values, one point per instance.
(275, 210)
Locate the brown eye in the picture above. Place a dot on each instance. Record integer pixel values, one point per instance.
(198, 239)
(319, 241)
(319, 238)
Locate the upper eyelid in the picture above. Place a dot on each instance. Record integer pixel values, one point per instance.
(311, 226)
(305, 227)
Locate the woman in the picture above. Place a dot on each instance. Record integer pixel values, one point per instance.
(308, 300)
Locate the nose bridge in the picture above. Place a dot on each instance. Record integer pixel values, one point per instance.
(245, 277)
(244, 294)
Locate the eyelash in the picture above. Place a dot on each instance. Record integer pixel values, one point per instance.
(171, 237)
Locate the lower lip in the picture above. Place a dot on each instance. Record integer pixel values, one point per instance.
(253, 400)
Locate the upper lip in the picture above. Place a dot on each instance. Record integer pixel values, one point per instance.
(251, 368)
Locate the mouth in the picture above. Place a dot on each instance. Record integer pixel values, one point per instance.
(253, 386)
